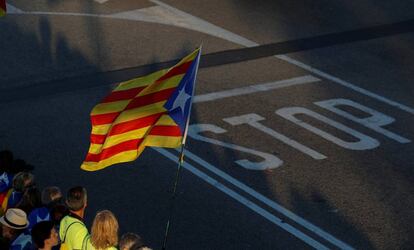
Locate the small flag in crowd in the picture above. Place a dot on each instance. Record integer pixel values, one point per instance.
(2, 7)
(152, 110)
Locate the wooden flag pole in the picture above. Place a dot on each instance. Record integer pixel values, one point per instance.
(180, 163)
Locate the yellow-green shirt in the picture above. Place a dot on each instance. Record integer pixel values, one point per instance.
(73, 233)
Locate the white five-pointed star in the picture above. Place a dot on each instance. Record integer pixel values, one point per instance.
(39, 219)
(181, 100)
(22, 241)
(3, 178)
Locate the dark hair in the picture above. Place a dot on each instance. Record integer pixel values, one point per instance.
(41, 232)
(138, 247)
(76, 198)
(57, 212)
(30, 200)
(51, 195)
(22, 181)
(129, 240)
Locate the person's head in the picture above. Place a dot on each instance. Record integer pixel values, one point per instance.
(44, 235)
(30, 199)
(13, 222)
(57, 212)
(76, 198)
(104, 232)
(50, 195)
(23, 180)
(130, 239)
(134, 247)
(6, 160)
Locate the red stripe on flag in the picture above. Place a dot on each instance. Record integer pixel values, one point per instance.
(180, 69)
(104, 118)
(97, 139)
(126, 127)
(3, 5)
(135, 103)
(166, 131)
(150, 98)
(111, 151)
(131, 93)
(137, 124)
(122, 95)
(134, 124)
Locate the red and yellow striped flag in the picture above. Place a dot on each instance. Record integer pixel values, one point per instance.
(2, 7)
(146, 111)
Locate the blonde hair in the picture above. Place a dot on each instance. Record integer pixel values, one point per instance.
(104, 232)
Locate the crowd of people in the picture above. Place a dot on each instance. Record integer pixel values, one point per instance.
(43, 219)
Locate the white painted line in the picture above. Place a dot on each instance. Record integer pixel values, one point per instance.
(347, 84)
(253, 120)
(269, 161)
(246, 202)
(183, 19)
(277, 207)
(13, 10)
(58, 13)
(376, 121)
(101, 1)
(255, 88)
(363, 142)
(153, 14)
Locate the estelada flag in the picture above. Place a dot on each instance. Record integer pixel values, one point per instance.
(152, 110)
(2, 7)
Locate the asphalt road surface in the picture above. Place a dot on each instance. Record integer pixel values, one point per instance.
(301, 132)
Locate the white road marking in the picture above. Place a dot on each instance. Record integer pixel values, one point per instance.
(253, 121)
(164, 15)
(347, 84)
(13, 10)
(270, 161)
(277, 207)
(255, 88)
(246, 202)
(200, 25)
(365, 142)
(101, 1)
(153, 14)
(376, 121)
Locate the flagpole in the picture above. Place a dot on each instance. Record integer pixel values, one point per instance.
(191, 103)
(180, 161)
(172, 203)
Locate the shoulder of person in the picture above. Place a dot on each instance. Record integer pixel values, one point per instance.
(72, 226)
(80, 227)
(64, 222)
